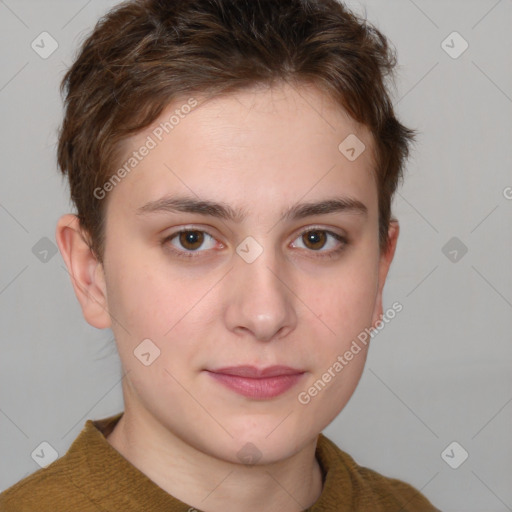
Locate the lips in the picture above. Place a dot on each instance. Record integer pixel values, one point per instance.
(257, 383)
(255, 373)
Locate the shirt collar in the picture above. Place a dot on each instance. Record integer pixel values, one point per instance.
(135, 490)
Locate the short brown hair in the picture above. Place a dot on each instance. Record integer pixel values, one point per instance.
(143, 54)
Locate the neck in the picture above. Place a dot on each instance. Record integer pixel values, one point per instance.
(212, 484)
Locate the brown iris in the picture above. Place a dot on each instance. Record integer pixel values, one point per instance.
(313, 238)
(191, 238)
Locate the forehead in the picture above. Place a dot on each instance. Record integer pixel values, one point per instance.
(266, 144)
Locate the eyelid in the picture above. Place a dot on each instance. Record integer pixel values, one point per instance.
(313, 227)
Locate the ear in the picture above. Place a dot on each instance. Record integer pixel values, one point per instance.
(87, 274)
(386, 258)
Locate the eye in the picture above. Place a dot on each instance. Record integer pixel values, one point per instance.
(186, 242)
(317, 239)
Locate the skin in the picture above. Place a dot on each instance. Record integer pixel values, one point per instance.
(261, 150)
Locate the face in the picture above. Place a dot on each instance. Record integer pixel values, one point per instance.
(257, 279)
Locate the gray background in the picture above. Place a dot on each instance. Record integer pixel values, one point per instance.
(439, 372)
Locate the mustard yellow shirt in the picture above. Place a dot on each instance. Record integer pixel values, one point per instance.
(94, 477)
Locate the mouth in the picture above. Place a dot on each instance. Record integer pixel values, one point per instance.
(258, 383)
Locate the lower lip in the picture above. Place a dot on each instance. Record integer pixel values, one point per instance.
(262, 388)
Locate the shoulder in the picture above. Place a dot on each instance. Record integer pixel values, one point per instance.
(46, 489)
(369, 490)
(75, 481)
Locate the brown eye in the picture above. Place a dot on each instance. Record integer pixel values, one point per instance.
(323, 242)
(189, 243)
(314, 240)
(191, 240)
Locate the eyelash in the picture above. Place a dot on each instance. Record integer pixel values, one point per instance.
(187, 254)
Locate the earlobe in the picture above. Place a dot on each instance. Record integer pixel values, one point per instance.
(86, 272)
(385, 260)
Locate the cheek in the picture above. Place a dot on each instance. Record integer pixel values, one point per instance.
(344, 304)
(345, 300)
(142, 303)
(173, 311)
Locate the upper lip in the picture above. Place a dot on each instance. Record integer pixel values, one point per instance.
(254, 372)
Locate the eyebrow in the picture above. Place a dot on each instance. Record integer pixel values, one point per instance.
(174, 204)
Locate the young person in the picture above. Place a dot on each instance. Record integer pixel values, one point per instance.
(233, 164)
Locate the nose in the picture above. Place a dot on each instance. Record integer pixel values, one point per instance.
(260, 299)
